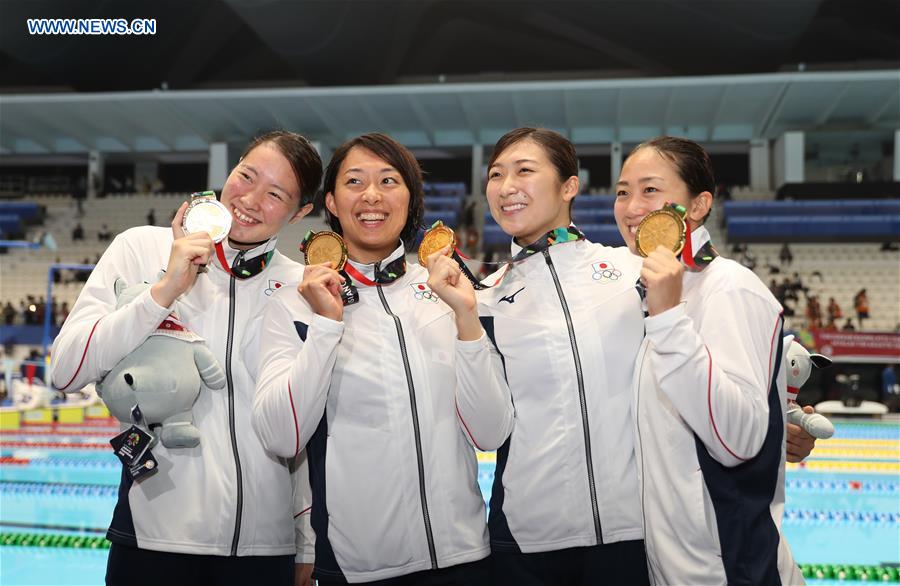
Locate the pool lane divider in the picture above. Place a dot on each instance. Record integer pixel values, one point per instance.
(841, 486)
(61, 413)
(53, 540)
(62, 432)
(52, 527)
(820, 517)
(851, 572)
(844, 466)
(13, 461)
(61, 462)
(890, 455)
(55, 445)
(58, 489)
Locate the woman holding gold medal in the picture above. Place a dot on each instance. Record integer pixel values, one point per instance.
(220, 512)
(710, 386)
(566, 317)
(368, 365)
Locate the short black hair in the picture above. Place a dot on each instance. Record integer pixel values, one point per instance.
(559, 149)
(301, 154)
(397, 156)
(691, 160)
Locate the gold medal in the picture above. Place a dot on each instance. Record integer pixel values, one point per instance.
(206, 214)
(438, 237)
(325, 247)
(664, 227)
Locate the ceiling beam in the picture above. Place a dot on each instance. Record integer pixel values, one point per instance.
(826, 112)
(772, 111)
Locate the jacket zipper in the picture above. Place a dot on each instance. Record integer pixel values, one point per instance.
(234, 446)
(640, 441)
(415, 419)
(581, 396)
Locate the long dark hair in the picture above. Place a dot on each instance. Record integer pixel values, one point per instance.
(397, 156)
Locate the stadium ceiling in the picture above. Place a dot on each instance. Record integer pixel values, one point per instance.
(228, 44)
(708, 109)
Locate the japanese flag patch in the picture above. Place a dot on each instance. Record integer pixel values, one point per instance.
(605, 272)
(423, 293)
(273, 286)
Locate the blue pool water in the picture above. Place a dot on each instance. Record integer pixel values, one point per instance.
(838, 511)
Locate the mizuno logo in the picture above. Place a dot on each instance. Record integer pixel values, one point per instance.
(512, 298)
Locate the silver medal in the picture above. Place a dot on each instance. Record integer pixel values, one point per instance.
(206, 214)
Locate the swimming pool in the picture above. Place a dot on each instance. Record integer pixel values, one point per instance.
(58, 488)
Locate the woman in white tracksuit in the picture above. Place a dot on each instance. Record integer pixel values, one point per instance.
(709, 390)
(566, 317)
(221, 512)
(373, 389)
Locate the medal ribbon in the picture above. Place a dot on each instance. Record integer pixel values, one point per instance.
(556, 236)
(383, 276)
(694, 261)
(243, 269)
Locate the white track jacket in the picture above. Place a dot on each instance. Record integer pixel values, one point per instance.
(568, 323)
(226, 496)
(374, 401)
(709, 432)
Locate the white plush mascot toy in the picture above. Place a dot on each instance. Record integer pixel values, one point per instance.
(162, 377)
(799, 366)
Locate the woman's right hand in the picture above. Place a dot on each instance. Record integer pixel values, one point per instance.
(321, 287)
(188, 254)
(446, 279)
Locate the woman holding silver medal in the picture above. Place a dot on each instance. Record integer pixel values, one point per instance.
(367, 366)
(709, 388)
(221, 512)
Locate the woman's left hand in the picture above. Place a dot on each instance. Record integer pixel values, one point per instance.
(303, 575)
(662, 276)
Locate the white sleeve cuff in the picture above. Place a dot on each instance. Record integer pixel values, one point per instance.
(149, 304)
(665, 320)
(471, 347)
(326, 324)
(305, 557)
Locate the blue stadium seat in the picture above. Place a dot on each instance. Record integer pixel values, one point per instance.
(11, 223)
(443, 202)
(593, 201)
(493, 236)
(445, 188)
(607, 234)
(26, 210)
(449, 217)
(593, 216)
(814, 228)
(846, 207)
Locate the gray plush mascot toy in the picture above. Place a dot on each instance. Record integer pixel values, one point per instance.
(162, 377)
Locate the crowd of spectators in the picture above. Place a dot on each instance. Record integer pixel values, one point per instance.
(788, 293)
(32, 311)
